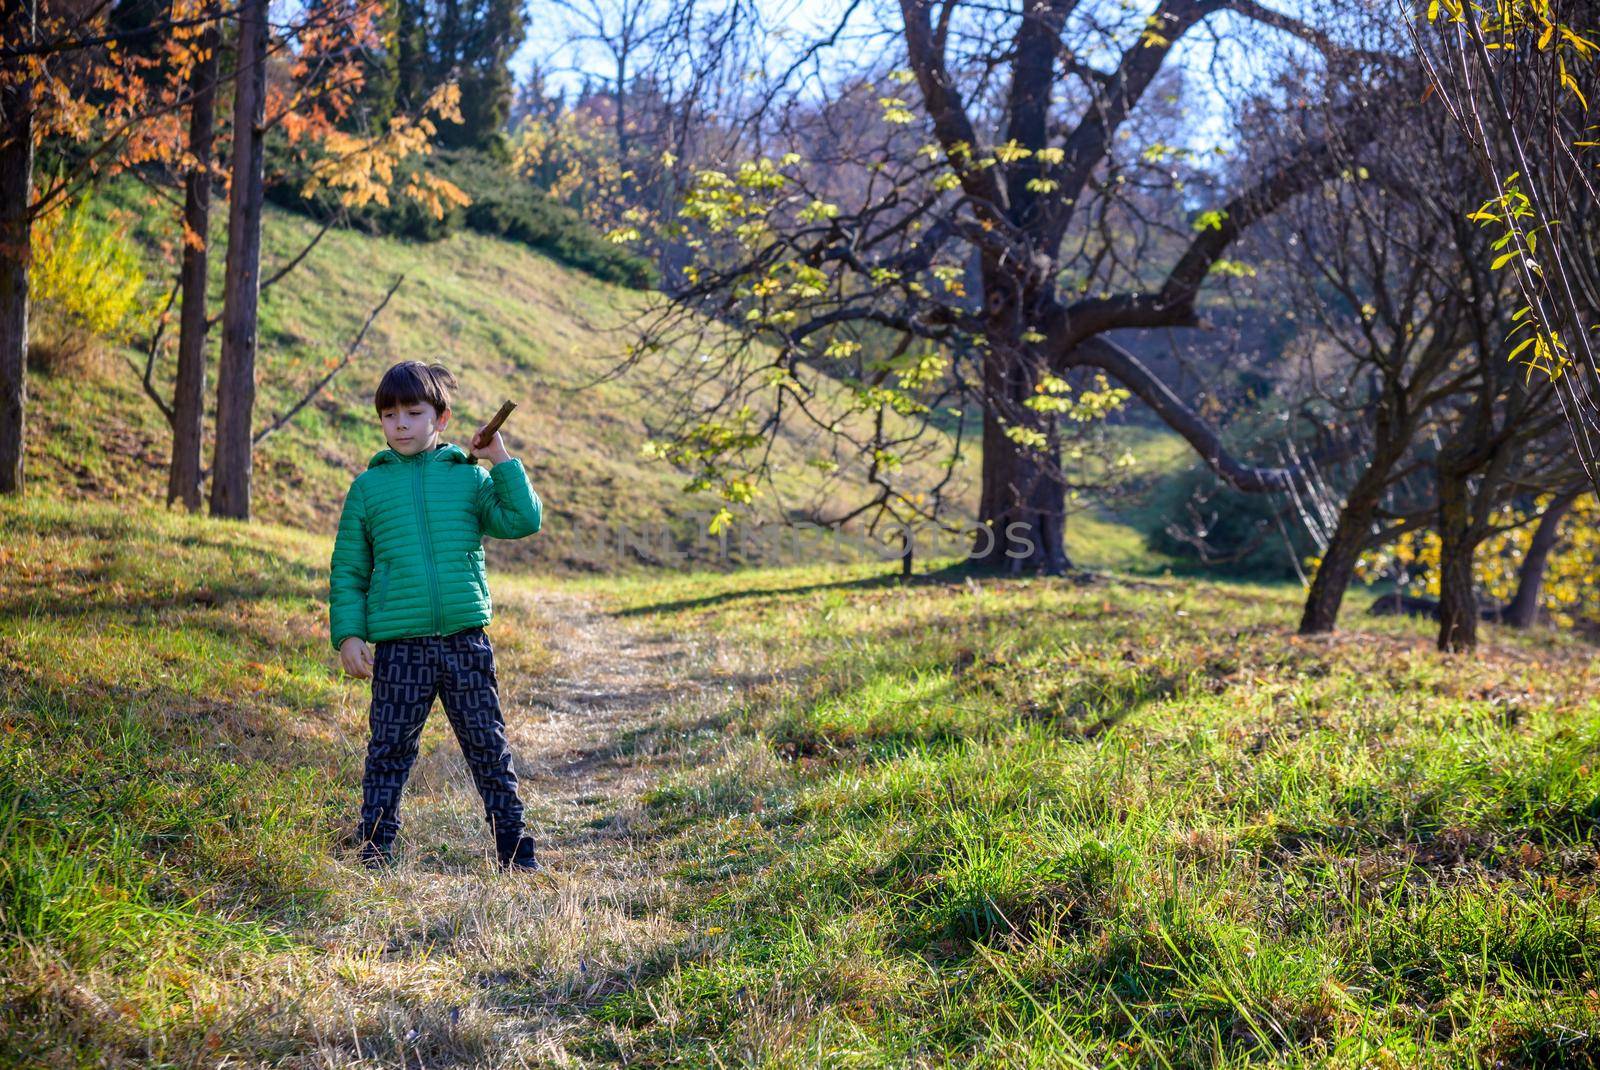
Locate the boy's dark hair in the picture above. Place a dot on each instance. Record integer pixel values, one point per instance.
(411, 382)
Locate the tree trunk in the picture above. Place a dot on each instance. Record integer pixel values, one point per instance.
(1022, 503)
(236, 371)
(1338, 567)
(16, 249)
(1458, 601)
(1354, 527)
(1523, 609)
(622, 111)
(189, 394)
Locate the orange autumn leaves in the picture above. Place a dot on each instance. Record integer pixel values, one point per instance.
(126, 104)
(362, 169)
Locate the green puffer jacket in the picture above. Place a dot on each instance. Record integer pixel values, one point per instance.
(408, 559)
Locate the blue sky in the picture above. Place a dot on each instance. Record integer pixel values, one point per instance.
(545, 37)
(804, 20)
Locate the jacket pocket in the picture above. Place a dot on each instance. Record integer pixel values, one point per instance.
(381, 588)
(475, 566)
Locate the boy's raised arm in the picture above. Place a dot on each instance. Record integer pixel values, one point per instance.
(508, 506)
(350, 571)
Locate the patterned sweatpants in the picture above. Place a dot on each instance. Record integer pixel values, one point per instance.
(407, 674)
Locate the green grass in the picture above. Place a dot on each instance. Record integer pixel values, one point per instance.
(159, 677)
(1110, 820)
(177, 756)
(1105, 822)
(1128, 823)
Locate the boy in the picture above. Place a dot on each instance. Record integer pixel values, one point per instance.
(407, 574)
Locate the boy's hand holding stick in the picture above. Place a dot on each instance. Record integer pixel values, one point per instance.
(488, 437)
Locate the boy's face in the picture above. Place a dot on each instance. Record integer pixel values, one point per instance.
(413, 427)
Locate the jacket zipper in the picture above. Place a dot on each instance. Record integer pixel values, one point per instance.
(427, 547)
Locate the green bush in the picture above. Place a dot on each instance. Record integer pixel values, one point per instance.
(503, 206)
(1241, 535)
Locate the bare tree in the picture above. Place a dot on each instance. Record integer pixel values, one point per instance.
(1398, 281)
(1035, 224)
(672, 97)
(1393, 324)
(1378, 270)
(1500, 439)
(623, 30)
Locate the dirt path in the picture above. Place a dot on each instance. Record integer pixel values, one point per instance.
(452, 962)
(591, 736)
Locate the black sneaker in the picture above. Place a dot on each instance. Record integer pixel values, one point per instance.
(518, 855)
(376, 855)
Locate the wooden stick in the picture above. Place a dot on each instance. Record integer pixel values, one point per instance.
(483, 440)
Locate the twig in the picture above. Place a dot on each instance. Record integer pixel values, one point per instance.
(294, 262)
(312, 244)
(349, 353)
(150, 358)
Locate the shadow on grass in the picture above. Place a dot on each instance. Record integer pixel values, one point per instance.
(42, 601)
(244, 573)
(949, 575)
(971, 707)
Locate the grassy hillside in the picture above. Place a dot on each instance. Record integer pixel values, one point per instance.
(809, 816)
(1017, 823)
(510, 322)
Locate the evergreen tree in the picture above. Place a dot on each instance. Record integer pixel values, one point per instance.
(491, 31)
(380, 68)
(471, 41)
(412, 66)
(534, 100)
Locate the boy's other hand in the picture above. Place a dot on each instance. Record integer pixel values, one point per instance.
(495, 451)
(357, 658)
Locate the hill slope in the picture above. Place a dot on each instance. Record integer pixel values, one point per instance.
(510, 322)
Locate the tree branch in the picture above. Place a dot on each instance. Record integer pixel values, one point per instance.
(150, 359)
(943, 102)
(1032, 78)
(1174, 305)
(317, 387)
(47, 48)
(1086, 145)
(1307, 33)
(1127, 369)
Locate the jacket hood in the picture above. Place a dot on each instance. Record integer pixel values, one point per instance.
(445, 453)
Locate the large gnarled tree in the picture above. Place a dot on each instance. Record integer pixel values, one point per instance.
(987, 250)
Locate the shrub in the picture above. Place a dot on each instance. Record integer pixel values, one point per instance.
(1238, 530)
(86, 281)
